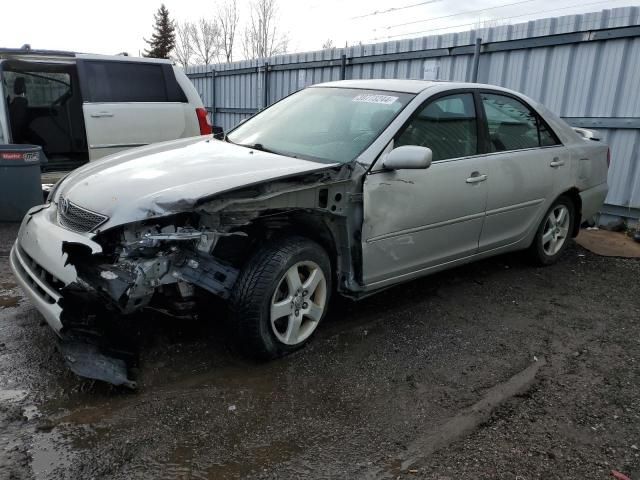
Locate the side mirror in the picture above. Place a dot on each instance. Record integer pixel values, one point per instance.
(408, 157)
(218, 132)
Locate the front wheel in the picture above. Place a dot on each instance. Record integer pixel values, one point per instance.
(280, 297)
(554, 232)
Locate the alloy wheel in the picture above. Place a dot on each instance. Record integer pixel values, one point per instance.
(556, 230)
(298, 303)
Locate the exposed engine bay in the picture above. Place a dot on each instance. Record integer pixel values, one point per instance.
(176, 263)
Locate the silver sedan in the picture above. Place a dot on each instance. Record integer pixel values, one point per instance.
(346, 187)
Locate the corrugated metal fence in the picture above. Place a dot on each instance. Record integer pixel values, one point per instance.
(585, 67)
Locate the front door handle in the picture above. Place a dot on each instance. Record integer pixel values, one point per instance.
(476, 178)
(556, 162)
(101, 115)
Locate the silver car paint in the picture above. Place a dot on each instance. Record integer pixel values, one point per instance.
(419, 218)
(41, 239)
(520, 187)
(170, 177)
(413, 222)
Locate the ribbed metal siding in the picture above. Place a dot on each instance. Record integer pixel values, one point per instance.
(581, 80)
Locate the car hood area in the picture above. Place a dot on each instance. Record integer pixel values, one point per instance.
(171, 177)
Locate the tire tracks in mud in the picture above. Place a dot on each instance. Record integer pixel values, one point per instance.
(460, 425)
(472, 418)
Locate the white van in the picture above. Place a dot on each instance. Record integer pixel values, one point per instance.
(81, 107)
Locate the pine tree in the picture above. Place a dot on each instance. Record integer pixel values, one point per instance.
(163, 39)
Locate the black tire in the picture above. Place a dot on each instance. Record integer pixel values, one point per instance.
(537, 252)
(250, 302)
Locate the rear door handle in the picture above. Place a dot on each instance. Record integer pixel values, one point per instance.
(476, 178)
(556, 162)
(101, 115)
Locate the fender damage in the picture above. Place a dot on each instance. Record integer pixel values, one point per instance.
(171, 263)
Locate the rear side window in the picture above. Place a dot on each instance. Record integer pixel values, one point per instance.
(514, 126)
(447, 126)
(124, 82)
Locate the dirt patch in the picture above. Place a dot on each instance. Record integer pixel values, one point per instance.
(609, 244)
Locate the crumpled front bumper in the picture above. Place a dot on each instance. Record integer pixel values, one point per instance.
(62, 273)
(38, 262)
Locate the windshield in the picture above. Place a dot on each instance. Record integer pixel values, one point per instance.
(322, 123)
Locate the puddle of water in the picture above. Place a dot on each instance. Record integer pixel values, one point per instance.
(49, 452)
(86, 416)
(175, 470)
(12, 395)
(55, 451)
(9, 302)
(30, 412)
(180, 464)
(258, 458)
(186, 462)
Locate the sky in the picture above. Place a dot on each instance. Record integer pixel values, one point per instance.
(114, 26)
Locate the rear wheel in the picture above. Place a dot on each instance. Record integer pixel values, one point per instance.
(554, 232)
(280, 297)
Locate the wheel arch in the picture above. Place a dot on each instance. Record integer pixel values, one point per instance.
(574, 195)
(326, 229)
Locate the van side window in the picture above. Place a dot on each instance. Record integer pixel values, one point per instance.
(112, 82)
(513, 125)
(446, 125)
(41, 89)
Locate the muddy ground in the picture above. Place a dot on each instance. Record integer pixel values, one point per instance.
(493, 370)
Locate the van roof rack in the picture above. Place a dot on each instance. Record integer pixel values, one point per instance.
(29, 51)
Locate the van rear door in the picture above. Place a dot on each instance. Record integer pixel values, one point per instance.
(128, 104)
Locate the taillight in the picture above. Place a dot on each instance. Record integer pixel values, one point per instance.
(608, 157)
(203, 121)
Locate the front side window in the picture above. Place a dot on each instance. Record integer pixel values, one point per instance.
(322, 123)
(547, 138)
(514, 126)
(112, 82)
(447, 126)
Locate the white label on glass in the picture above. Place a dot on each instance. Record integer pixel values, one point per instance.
(372, 98)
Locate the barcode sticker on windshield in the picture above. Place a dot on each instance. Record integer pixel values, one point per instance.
(371, 98)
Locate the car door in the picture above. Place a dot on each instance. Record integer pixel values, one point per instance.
(129, 104)
(417, 219)
(522, 164)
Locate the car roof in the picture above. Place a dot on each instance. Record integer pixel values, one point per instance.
(405, 86)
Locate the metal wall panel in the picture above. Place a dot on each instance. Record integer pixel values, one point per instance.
(584, 67)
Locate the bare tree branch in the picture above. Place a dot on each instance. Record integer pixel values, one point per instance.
(183, 51)
(228, 18)
(205, 38)
(262, 37)
(328, 44)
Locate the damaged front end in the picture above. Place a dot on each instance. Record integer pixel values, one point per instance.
(174, 263)
(147, 259)
(155, 266)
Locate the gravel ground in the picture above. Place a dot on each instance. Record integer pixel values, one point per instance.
(493, 370)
